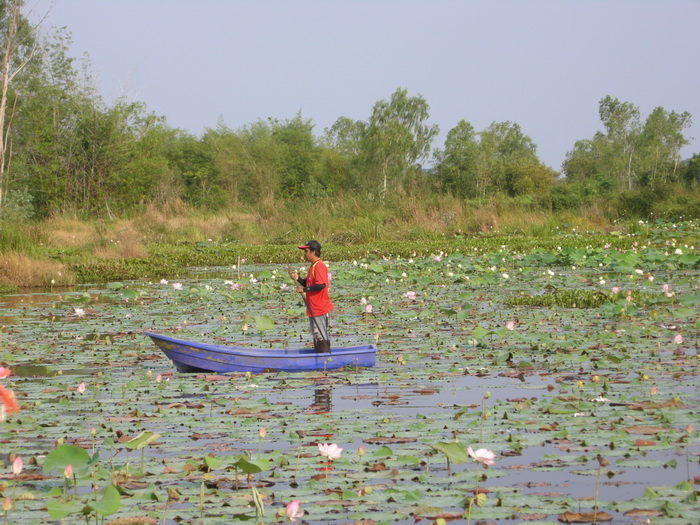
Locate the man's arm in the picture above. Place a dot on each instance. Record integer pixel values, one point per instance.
(314, 288)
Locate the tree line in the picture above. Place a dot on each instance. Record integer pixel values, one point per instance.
(64, 150)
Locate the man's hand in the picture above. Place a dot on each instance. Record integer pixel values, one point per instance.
(300, 289)
(294, 275)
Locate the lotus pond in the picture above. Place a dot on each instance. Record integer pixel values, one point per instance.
(576, 367)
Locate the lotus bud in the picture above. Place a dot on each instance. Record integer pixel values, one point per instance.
(17, 465)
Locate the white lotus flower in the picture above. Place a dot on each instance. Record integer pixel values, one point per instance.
(330, 450)
(482, 455)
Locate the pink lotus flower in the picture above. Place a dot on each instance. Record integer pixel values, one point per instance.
(666, 288)
(177, 286)
(678, 339)
(482, 455)
(411, 295)
(163, 281)
(79, 312)
(363, 300)
(17, 465)
(330, 451)
(292, 510)
(510, 325)
(67, 472)
(8, 404)
(368, 309)
(262, 432)
(4, 372)
(7, 504)
(81, 387)
(615, 289)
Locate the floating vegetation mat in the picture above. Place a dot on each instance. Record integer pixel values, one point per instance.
(488, 402)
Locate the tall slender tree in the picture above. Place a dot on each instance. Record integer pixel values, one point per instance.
(456, 165)
(621, 121)
(18, 46)
(397, 136)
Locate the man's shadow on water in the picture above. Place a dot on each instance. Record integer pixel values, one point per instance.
(322, 400)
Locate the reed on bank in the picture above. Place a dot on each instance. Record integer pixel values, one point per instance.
(34, 253)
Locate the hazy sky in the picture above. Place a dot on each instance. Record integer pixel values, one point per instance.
(543, 64)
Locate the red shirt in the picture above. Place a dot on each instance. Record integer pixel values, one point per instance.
(319, 302)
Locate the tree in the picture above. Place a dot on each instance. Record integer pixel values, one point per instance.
(582, 162)
(501, 146)
(17, 47)
(342, 155)
(190, 160)
(297, 155)
(628, 154)
(621, 121)
(456, 165)
(528, 177)
(660, 142)
(690, 171)
(259, 161)
(345, 136)
(226, 179)
(397, 137)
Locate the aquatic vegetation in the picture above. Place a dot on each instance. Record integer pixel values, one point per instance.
(537, 391)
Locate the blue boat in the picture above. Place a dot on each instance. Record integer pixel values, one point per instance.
(188, 356)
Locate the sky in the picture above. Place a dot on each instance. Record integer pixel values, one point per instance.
(543, 64)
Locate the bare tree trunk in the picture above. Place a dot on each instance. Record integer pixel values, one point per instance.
(629, 171)
(385, 169)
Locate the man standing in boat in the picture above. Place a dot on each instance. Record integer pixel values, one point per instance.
(315, 291)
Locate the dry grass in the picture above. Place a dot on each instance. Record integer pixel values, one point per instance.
(167, 225)
(61, 232)
(23, 271)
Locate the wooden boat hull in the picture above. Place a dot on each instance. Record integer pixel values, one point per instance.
(189, 356)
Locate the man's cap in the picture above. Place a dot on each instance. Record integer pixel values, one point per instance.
(314, 245)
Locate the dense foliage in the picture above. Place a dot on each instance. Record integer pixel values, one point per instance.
(69, 152)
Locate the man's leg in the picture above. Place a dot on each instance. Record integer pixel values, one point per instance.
(319, 333)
